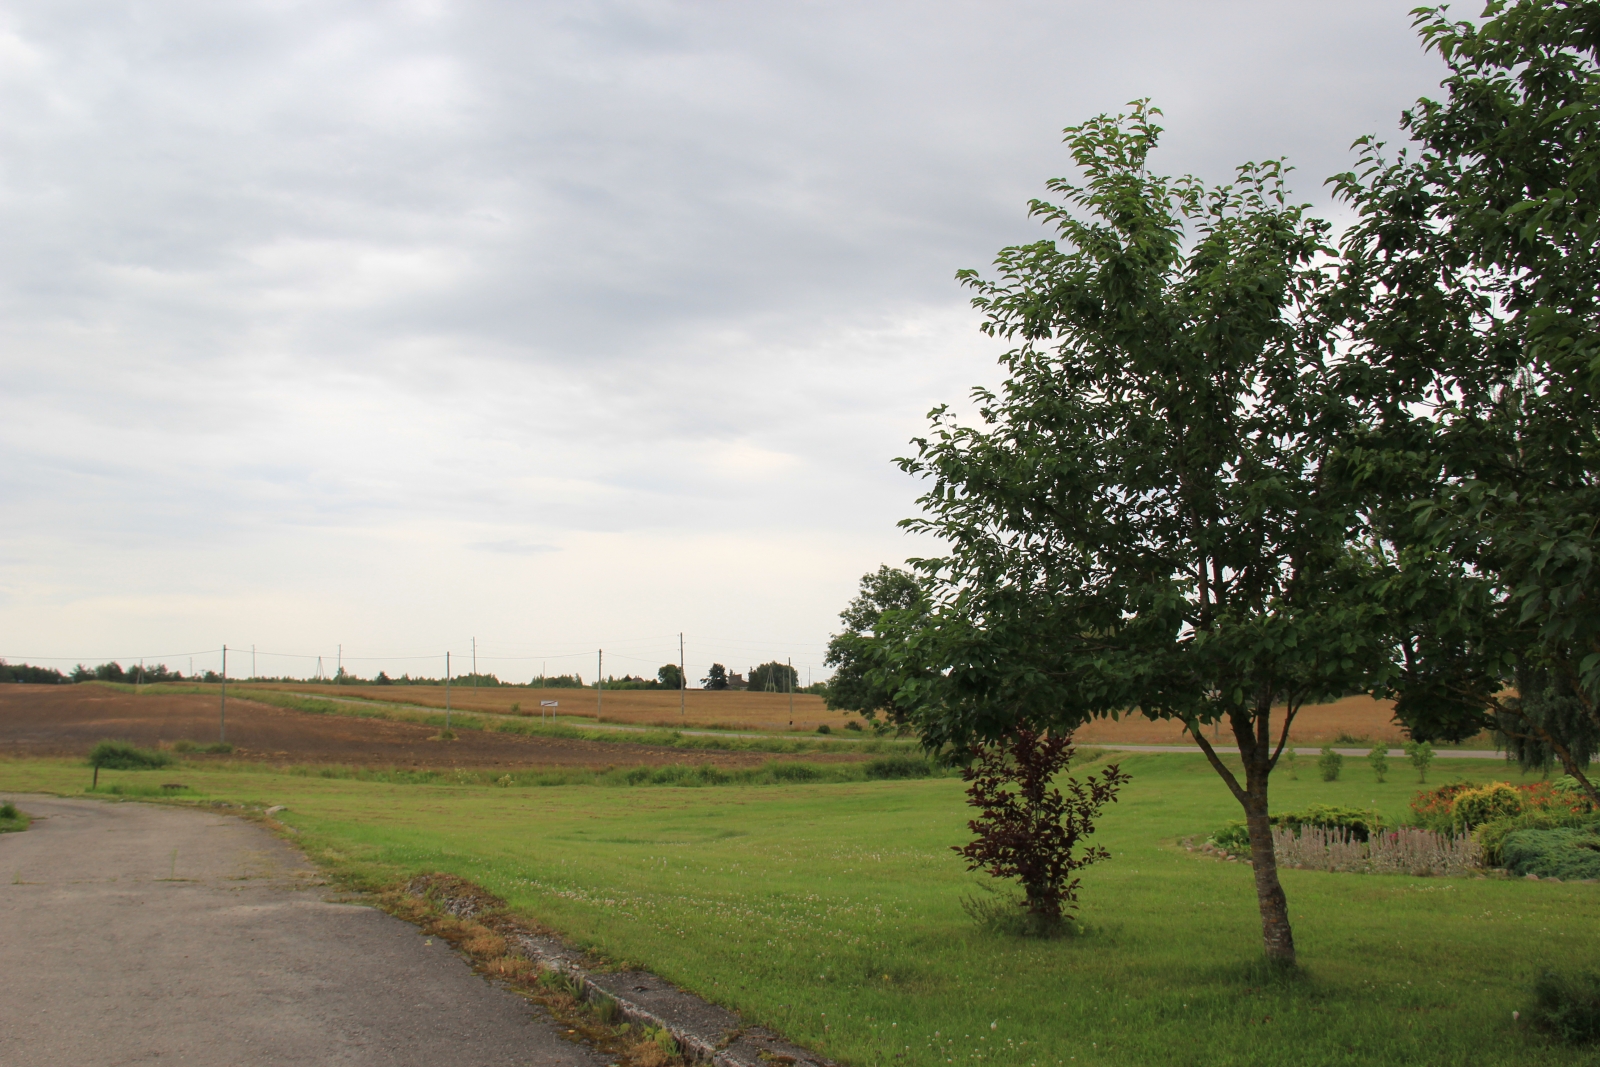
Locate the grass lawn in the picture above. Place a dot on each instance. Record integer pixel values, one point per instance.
(831, 912)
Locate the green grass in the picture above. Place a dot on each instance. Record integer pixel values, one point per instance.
(831, 912)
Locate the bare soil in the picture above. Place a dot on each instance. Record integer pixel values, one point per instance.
(67, 720)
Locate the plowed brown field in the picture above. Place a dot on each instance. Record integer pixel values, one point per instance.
(67, 720)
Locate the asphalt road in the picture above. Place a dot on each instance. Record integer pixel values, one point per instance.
(133, 933)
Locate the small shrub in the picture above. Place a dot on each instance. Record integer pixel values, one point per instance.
(8, 810)
(897, 767)
(795, 772)
(1330, 763)
(1571, 853)
(1294, 771)
(1357, 822)
(824, 729)
(1420, 753)
(1563, 796)
(1474, 807)
(1379, 759)
(1027, 828)
(123, 756)
(853, 725)
(1492, 835)
(1235, 837)
(1567, 1006)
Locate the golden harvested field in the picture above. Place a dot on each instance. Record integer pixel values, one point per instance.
(1353, 718)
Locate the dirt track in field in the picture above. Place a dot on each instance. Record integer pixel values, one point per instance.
(67, 720)
(702, 708)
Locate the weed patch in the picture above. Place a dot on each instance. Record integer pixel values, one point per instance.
(12, 820)
(124, 756)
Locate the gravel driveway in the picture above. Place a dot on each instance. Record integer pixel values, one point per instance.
(133, 933)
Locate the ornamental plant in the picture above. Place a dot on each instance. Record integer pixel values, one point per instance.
(1474, 807)
(1028, 829)
(1431, 808)
(1330, 763)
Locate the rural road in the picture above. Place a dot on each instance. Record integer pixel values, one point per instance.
(135, 933)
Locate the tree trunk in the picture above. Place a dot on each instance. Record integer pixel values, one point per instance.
(1254, 734)
(1276, 936)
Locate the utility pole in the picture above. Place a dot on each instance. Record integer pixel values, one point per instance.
(253, 673)
(789, 678)
(447, 692)
(599, 684)
(683, 681)
(474, 668)
(222, 715)
(338, 673)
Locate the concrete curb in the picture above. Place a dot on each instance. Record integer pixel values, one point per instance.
(705, 1033)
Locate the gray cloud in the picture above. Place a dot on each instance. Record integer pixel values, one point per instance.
(312, 314)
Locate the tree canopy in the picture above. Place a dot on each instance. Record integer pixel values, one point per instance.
(1144, 519)
(1472, 285)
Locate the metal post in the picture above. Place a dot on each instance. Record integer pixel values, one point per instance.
(790, 680)
(599, 684)
(683, 681)
(222, 731)
(447, 692)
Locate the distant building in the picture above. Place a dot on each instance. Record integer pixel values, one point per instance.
(736, 681)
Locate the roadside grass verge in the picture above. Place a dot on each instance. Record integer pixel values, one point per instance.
(361, 708)
(831, 911)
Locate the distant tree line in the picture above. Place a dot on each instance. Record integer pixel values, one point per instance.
(25, 674)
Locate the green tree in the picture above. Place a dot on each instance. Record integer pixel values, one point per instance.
(1379, 759)
(1475, 272)
(670, 675)
(716, 677)
(1143, 520)
(774, 677)
(867, 655)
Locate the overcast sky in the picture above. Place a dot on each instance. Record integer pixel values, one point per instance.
(561, 326)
